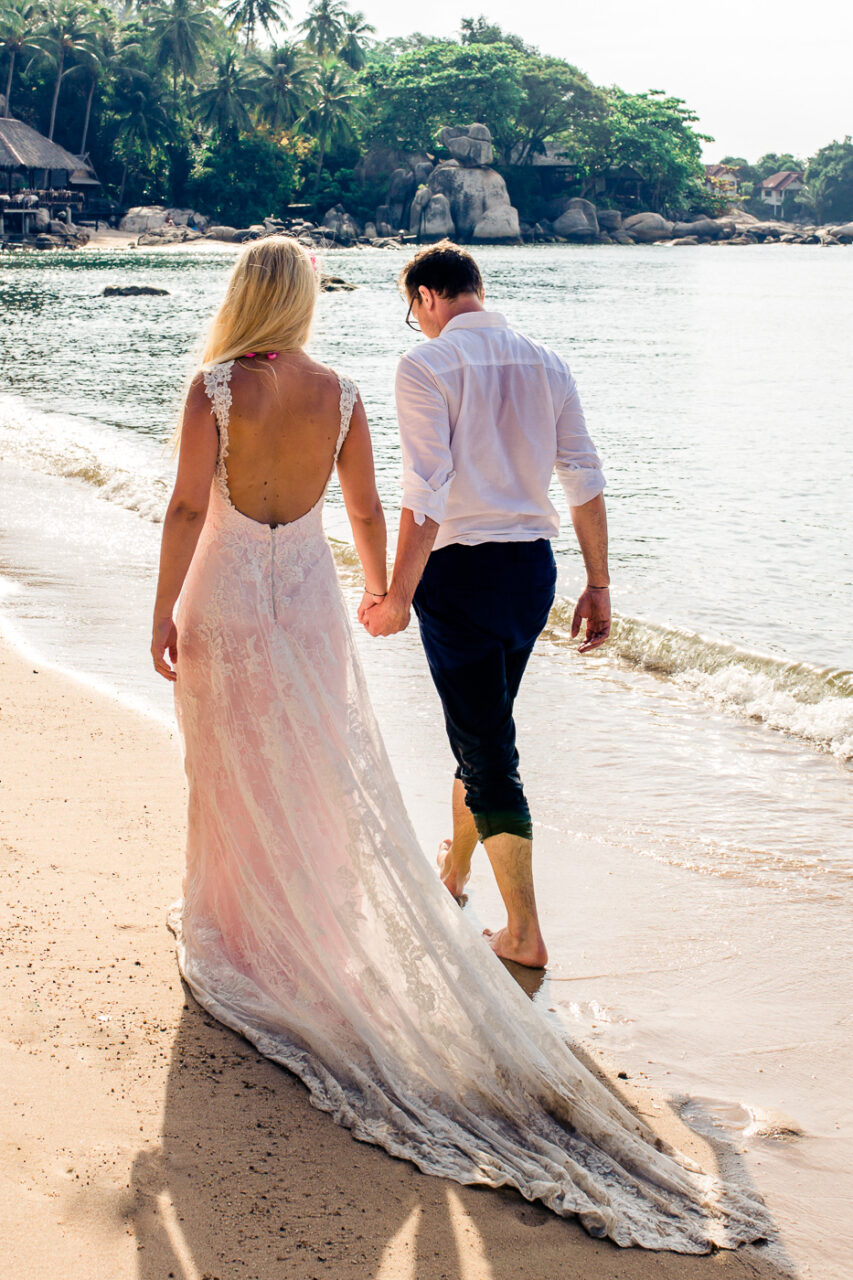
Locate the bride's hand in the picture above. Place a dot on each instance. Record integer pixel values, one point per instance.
(368, 602)
(164, 637)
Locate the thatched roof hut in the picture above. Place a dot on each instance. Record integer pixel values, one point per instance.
(22, 148)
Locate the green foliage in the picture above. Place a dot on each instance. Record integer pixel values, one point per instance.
(409, 98)
(245, 178)
(481, 31)
(829, 180)
(649, 135)
(193, 99)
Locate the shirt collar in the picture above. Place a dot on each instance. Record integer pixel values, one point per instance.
(476, 320)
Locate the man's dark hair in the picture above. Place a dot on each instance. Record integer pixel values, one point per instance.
(443, 267)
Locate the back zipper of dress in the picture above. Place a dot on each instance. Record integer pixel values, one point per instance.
(272, 529)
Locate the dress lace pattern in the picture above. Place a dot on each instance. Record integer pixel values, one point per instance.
(313, 924)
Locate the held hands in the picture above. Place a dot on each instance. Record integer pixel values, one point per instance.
(594, 606)
(383, 617)
(164, 637)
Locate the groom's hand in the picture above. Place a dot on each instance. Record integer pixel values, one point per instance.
(388, 617)
(594, 608)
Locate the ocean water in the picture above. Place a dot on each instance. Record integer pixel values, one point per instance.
(691, 782)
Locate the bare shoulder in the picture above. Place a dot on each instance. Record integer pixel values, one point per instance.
(198, 401)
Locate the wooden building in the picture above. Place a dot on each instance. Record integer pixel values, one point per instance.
(39, 181)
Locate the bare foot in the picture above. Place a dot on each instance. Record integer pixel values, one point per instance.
(452, 879)
(527, 951)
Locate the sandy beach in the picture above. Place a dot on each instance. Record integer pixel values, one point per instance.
(140, 1138)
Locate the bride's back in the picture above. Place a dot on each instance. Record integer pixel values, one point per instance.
(283, 427)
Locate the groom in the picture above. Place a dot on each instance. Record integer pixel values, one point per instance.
(486, 416)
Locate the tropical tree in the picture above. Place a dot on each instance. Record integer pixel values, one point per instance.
(226, 102)
(144, 125)
(181, 31)
(20, 21)
(356, 36)
(411, 97)
(829, 180)
(71, 29)
(286, 81)
(324, 26)
(651, 134)
(247, 15)
(335, 112)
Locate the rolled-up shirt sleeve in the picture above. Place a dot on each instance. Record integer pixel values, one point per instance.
(578, 464)
(424, 421)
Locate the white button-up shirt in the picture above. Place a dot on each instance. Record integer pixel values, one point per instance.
(486, 415)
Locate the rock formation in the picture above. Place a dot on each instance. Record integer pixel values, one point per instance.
(154, 217)
(463, 197)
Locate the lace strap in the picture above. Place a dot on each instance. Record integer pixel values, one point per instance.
(349, 395)
(217, 384)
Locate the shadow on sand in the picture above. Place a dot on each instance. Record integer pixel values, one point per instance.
(250, 1182)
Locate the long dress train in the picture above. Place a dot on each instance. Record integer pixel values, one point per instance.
(313, 924)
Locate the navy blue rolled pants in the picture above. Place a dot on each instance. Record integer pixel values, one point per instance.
(480, 611)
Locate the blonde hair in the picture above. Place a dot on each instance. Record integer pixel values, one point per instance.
(269, 302)
(268, 305)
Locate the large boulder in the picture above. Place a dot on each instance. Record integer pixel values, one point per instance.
(470, 192)
(470, 144)
(422, 170)
(152, 217)
(230, 235)
(401, 188)
(147, 217)
(844, 233)
(699, 227)
(168, 235)
(436, 220)
(648, 227)
(498, 223)
(609, 220)
(340, 225)
(578, 221)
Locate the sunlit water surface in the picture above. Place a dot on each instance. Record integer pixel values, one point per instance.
(690, 785)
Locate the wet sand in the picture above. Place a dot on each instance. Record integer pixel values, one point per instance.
(140, 1138)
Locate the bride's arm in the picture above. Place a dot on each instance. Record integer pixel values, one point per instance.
(367, 519)
(184, 519)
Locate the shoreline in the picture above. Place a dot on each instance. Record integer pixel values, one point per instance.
(186, 1146)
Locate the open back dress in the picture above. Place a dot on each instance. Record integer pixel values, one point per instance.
(313, 924)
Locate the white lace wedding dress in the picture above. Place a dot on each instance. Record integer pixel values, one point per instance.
(313, 923)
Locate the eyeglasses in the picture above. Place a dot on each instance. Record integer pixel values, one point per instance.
(410, 321)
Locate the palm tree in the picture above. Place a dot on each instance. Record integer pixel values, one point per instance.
(246, 15)
(324, 26)
(19, 22)
(286, 81)
(356, 36)
(143, 121)
(224, 104)
(334, 113)
(70, 30)
(181, 31)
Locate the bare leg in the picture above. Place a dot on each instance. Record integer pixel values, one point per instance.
(521, 940)
(454, 856)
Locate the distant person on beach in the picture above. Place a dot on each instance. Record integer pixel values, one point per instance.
(311, 921)
(486, 417)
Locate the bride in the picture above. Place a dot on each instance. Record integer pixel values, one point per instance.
(312, 923)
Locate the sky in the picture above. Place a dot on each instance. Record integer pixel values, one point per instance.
(761, 77)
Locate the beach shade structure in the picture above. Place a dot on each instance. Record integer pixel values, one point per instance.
(38, 162)
(24, 150)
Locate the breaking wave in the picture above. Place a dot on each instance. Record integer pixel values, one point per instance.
(133, 471)
(807, 701)
(129, 470)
